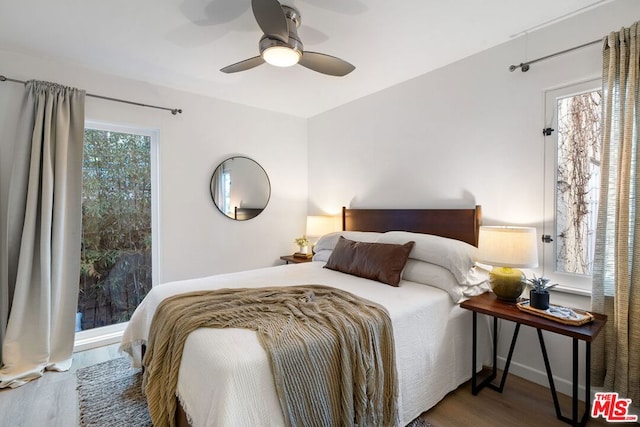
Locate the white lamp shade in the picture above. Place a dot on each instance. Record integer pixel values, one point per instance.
(515, 247)
(320, 225)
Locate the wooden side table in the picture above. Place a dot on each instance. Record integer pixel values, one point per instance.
(490, 305)
(294, 260)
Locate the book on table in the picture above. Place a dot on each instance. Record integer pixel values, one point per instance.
(301, 255)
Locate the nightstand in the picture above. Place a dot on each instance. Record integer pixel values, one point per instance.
(294, 260)
(490, 305)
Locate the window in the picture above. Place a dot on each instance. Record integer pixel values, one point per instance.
(119, 245)
(572, 177)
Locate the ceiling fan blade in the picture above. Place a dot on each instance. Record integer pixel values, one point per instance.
(325, 64)
(271, 19)
(247, 64)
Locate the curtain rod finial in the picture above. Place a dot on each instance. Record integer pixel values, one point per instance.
(3, 79)
(176, 111)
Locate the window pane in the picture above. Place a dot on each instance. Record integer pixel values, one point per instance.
(116, 226)
(577, 181)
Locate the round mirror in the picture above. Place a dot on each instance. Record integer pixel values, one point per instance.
(240, 188)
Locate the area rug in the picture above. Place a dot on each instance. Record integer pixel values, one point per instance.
(110, 394)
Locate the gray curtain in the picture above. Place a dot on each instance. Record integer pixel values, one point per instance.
(616, 279)
(40, 264)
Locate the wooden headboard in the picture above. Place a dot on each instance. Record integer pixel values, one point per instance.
(459, 224)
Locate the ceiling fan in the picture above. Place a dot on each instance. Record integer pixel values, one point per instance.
(281, 46)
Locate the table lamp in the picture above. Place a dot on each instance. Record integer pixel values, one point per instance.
(507, 249)
(319, 225)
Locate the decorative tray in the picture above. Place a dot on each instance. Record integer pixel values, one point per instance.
(557, 313)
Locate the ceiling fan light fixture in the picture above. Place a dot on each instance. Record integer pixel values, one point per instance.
(281, 56)
(281, 46)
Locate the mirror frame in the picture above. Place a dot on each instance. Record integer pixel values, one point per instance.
(241, 214)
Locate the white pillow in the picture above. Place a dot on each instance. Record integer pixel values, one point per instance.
(441, 278)
(321, 255)
(456, 256)
(432, 275)
(324, 246)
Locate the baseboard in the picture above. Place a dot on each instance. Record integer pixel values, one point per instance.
(562, 385)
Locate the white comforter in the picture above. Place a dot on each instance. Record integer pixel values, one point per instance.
(225, 379)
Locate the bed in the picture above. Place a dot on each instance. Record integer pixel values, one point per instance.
(224, 377)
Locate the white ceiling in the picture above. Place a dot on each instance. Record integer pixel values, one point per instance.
(183, 43)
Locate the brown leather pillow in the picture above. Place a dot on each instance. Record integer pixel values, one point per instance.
(377, 261)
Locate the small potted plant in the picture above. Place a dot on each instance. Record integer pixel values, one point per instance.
(303, 242)
(539, 293)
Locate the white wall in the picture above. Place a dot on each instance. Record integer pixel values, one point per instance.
(469, 133)
(195, 238)
(466, 134)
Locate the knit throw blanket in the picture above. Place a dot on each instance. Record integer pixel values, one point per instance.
(331, 352)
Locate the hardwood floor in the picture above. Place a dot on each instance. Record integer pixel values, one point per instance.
(522, 403)
(52, 401)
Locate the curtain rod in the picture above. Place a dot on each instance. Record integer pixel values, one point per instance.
(524, 66)
(174, 111)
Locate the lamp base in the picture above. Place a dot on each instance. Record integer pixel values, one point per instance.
(507, 283)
